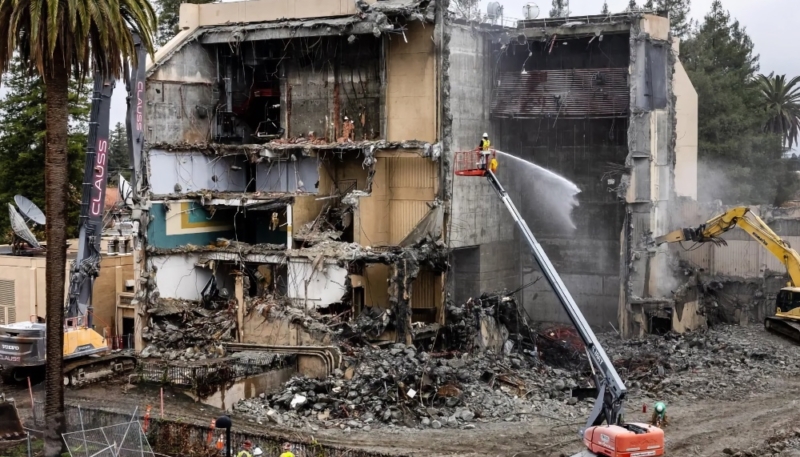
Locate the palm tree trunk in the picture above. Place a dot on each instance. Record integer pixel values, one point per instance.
(56, 190)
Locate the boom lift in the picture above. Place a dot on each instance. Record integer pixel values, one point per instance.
(87, 356)
(616, 438)
(786, 320)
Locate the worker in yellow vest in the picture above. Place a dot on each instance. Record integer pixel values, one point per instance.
(245, 452)
(483, 148)
(287, 450)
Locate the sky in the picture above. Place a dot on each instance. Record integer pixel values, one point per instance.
(769, 23)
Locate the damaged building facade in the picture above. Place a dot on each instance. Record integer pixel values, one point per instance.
(604, 102)
(291, 162)
(300, 154)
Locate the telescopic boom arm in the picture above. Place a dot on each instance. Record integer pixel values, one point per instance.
(611, 390)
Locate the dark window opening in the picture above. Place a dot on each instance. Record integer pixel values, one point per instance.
(660, 324)
(127, 332)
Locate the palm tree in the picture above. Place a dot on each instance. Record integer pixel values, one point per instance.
(59, 38)
(781, 102)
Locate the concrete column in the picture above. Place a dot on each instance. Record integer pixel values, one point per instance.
(239, 294)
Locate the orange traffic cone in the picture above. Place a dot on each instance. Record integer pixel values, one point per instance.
(220, 443)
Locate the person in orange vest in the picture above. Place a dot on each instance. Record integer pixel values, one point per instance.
(287, 450)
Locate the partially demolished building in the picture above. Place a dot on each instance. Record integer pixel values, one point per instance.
(299, 152)
(603, 101)
(292, 157)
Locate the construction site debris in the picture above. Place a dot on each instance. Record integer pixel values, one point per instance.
(783, 443)
(402, 387)
(297, 144)
(724, 363)
(185, 331)
(222, 245)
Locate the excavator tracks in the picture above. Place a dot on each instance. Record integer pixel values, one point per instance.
(90, 370)
(785, 327)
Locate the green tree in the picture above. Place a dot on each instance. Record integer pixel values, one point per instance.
(119, 160)
(605, 9)
(56, 39)
(781, 102)
(632, 6)
(169, 14)
(739, 162)
(22, 145)
(559, 9)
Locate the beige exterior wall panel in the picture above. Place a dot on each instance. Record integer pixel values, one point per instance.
(686, 134)
(376, 285)
(28, 274)
(411, 88)
(263, 11)
(656, 26)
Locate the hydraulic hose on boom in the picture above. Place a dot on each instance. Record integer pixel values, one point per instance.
(616, 439)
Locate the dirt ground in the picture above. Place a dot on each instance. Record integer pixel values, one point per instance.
(701, 427)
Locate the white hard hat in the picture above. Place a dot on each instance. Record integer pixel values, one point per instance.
(486, 135)
(257, 451)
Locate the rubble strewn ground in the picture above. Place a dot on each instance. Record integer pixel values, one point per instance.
(400, 387)
(722, 363)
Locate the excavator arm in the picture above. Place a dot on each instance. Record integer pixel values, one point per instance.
(748, 221)
(786, 320)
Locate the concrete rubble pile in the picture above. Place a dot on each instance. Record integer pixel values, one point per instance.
(784, 443)
(401, 387)
(476, 370)
(725, 362)
(185, 332)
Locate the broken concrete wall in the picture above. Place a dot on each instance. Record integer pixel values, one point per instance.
(404, 187)
(180, 97)
(316, 284)
(180, 277)
(331, 78)
(576, 127)
(648, 277)
(183, 172)
(477, 220)
(275, 325)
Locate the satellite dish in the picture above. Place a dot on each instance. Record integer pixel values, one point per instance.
(494, 10)
(530, 11)
(20, 228)
(125, 191)
(29, 209)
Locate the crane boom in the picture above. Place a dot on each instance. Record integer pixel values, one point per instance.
(136, 112)
(86, 266)
(611, 389)
(86, 351)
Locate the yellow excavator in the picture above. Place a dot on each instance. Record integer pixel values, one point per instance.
(786, 320)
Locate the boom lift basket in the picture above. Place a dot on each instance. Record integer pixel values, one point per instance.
(468, 163)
